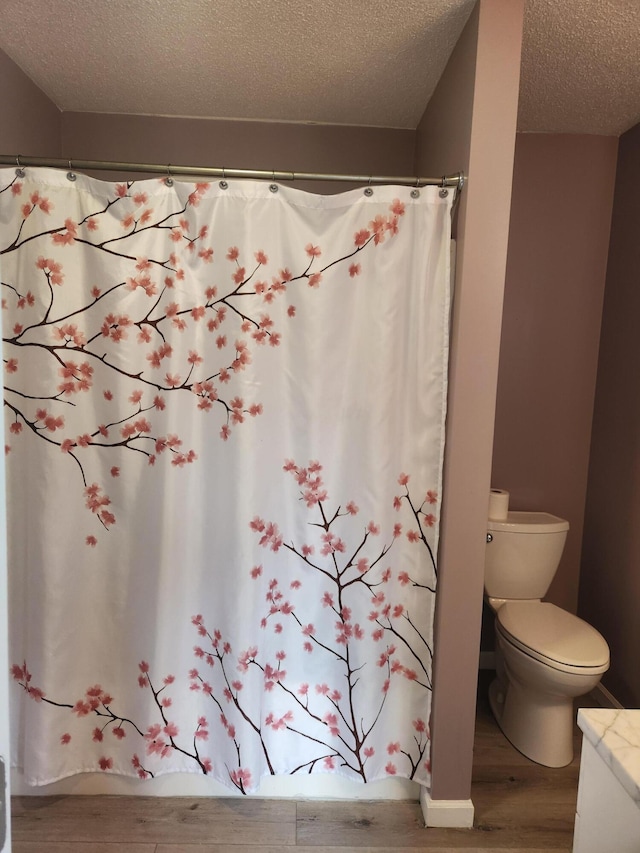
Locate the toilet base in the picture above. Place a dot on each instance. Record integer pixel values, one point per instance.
(541, 731)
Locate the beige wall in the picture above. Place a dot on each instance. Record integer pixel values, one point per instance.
(610, 576)
(470, 124)
(30, 122)
(556, 266)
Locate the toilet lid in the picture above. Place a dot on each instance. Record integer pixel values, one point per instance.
(551, 633)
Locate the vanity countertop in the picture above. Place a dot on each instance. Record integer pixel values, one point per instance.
(615, 735)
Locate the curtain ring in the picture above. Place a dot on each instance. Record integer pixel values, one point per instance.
(168, 180)
(19, 170)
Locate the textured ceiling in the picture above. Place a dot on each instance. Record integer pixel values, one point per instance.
(580, 66)
(364, 62)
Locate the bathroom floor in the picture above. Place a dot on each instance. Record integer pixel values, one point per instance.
(520, 807)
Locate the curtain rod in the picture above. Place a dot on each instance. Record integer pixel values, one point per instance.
(457, 180)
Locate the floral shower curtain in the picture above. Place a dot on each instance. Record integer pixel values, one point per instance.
(225, 425)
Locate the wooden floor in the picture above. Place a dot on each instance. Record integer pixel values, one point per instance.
(519, 806)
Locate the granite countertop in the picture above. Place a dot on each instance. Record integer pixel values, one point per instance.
(615, 734)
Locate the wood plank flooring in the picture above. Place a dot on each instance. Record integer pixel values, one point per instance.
(520, 807)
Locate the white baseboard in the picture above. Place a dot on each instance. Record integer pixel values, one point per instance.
(450, 814)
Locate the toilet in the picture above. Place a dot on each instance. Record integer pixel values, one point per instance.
(545, 656)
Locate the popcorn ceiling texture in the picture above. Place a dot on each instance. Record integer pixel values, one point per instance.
(362, 62)
(368, 62)
(580, 66)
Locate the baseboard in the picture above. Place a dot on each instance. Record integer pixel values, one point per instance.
(450, 814)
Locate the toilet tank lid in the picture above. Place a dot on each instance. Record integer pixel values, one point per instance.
(528, 522)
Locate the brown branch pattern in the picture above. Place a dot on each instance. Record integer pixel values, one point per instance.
(339, 721)
(162, 280)
(124, 340)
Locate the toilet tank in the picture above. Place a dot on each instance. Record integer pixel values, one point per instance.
(522, 554)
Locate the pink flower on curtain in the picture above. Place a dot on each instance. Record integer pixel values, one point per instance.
(163, 737)
(151, 320)
(136, 338)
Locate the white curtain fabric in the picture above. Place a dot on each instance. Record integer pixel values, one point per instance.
(224, 415)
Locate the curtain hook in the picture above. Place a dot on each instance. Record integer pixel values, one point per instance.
(223, 183)
(444, 192)
(415, 192)
(273, 187)
(168, 180)
(368, 190)
(19, 170)
(71, 176)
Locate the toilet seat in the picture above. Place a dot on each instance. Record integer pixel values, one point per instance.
(553, 636)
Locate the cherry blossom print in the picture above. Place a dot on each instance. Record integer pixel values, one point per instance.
(67, 236)
(329, 706)
(326, 716)
(146, 344)
(362, 238)
(84, 343)
(393, 619)
(423, 518)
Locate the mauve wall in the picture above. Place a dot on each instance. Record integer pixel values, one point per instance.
(30, 123)
(321, 148)
(556, 268)
(610, 577)
(470, 124)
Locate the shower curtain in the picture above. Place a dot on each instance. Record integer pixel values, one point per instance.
(224, 411)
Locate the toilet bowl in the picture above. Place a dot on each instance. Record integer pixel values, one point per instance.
(548, 657)
(545, 656)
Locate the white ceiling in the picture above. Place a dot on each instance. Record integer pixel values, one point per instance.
(363, 62)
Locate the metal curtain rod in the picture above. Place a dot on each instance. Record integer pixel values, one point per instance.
(456, 180)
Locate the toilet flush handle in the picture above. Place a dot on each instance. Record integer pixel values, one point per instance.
(489, 538)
